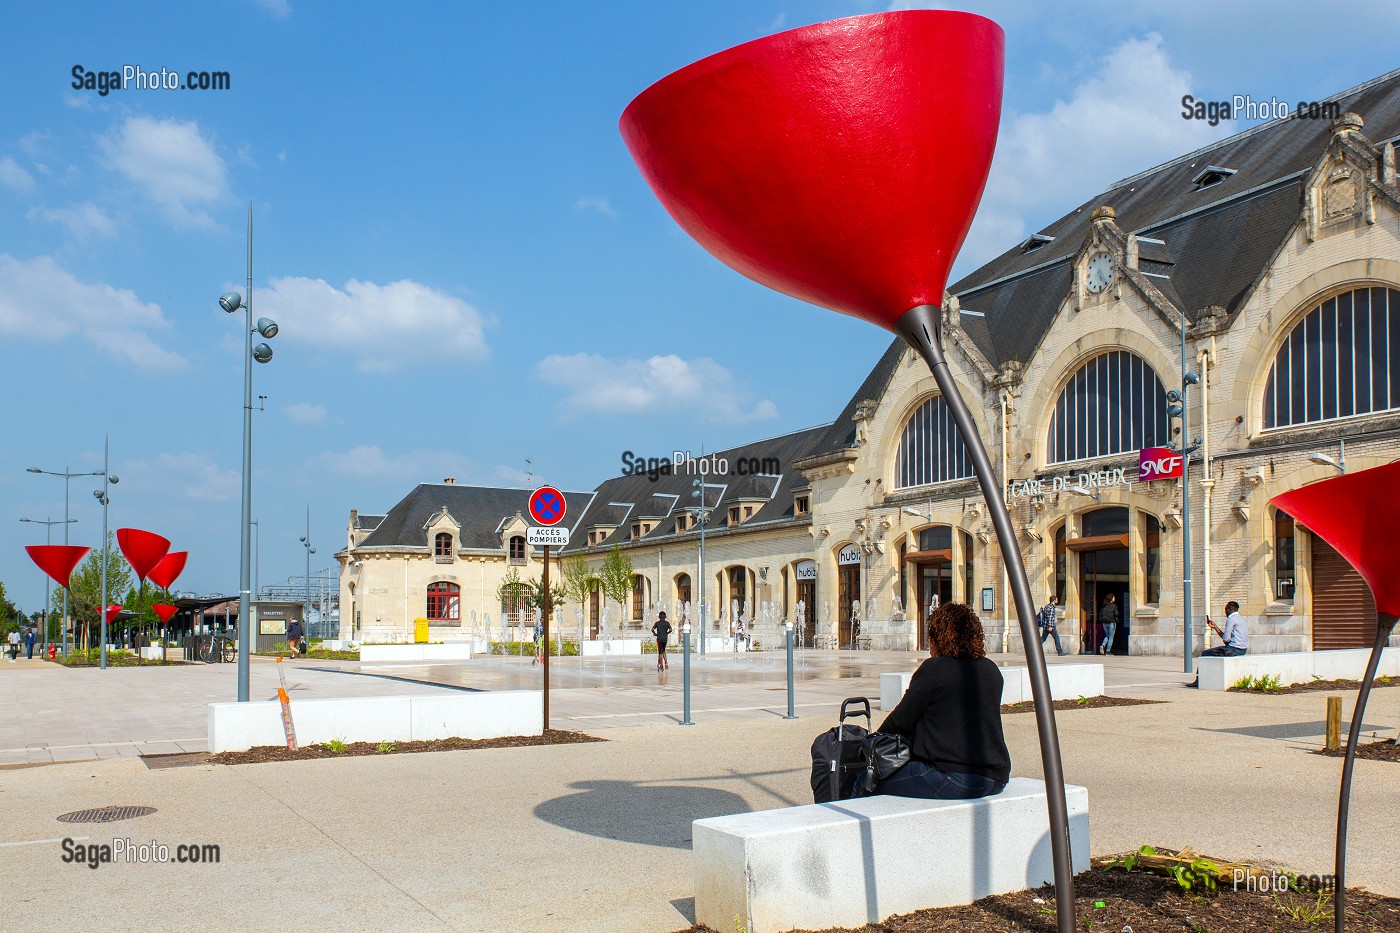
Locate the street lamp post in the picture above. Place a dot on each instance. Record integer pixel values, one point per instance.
(265, 327)
(703, 517)
(48, 539)
(306, 610)
(101, 496)
(257, 554)
(1180, 408)
(67, 476)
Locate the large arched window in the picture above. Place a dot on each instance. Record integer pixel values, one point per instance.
(444, 602)
(1112, 404)
(1342, 359)
(930, 450)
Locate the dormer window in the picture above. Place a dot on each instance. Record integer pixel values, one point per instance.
(734, 515)
(636, 531)
(682, 522)
(748, 512)
(442, 547)
(1210, 176)
(1034, 242)
(517, 550)
(801, 505)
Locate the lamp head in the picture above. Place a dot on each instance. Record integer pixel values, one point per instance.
(267, 327)
(33, 470)
(231, 302)
(302, 539)
(1322, 458)
(114, 480)
(1173, 395)
(1174, 411)
(1191, 378)
(262, 353)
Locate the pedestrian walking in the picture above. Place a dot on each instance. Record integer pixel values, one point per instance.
(539, 642)
(12, 640)
(29, 642)
(294, 635)
(662, 630)
(1108, 616)
(1047, 620)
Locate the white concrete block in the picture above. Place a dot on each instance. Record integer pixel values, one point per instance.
(1067, 682)
(240, 726)
(623, 646)
(861, 861)
(151, 654)
(380, 654)
(1295, 667)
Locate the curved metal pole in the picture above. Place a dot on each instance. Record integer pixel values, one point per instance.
(920, 327)
(1383, 629)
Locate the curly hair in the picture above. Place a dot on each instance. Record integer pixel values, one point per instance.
(954, 631)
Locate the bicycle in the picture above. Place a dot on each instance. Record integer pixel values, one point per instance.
(218, 648)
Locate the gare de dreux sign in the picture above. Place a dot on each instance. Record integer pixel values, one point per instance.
(1153, 463)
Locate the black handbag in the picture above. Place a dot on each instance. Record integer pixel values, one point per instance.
(885, 753)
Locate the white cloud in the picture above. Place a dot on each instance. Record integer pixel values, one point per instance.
(595, 202)
(173, 164)
(41, 301)
(657, 385)
(306, 413)
(510, 476)
(191, 475)
(1120, 120)
(368, 461)
(384, 326)
(278, 8)
(14, 177)
(82, 220)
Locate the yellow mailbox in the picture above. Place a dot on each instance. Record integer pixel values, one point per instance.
(420, 631)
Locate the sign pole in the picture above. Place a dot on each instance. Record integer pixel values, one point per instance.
(545, 639)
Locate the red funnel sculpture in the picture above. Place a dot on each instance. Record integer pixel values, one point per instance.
(1357, 514)
(111, 613)
(142, 549)
(165, 573)
(57, 560)
(164, 612)
(841, 164)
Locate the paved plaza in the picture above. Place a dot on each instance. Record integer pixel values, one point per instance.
(595, 836)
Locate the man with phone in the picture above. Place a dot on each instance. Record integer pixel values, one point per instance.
(1235, 636)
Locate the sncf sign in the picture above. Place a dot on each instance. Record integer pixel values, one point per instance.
(1158, 463)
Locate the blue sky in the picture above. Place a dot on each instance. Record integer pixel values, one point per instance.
(467, 268)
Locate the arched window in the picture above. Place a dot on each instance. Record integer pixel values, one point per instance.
(639, 590)
(930, 450)
(738, 585)
(1113, 403)
(444, 602)
(1342, 359)
(517, 550)
(442, 545)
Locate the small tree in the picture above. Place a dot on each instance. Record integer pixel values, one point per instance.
(578, 579)
(616, 578)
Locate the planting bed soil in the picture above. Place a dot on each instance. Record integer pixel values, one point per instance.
(351, 749)
(1145, 903)
(1384, 750)
(113, 661)
(1028, 706)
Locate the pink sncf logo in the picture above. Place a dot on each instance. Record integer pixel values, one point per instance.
(1158, 463)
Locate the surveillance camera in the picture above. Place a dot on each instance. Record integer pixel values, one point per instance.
(231, 302)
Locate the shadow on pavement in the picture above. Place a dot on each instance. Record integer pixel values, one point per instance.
(652, 815)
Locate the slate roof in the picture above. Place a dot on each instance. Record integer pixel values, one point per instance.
(1217, 241)
(480, 510)
(640, 497)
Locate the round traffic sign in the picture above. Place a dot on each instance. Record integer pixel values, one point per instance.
(547, 505)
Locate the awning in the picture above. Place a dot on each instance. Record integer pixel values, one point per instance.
(1097, 542)
(941, 556)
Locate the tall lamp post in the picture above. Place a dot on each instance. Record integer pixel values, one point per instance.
(703, 516)
(101, 496)
(265, 327)
(1180, 408)
(257, 555)
(48, 539)
(306, 610)
(67, 476)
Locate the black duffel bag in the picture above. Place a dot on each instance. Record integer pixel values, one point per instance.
(884, 753)
(838, 753)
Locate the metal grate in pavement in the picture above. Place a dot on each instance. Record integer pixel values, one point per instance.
(105, 814)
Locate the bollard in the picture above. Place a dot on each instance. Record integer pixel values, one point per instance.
(791, 714)
(685, 666)
(1334, 723)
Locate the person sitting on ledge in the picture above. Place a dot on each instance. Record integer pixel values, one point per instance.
(1235, 636)
(950, 716)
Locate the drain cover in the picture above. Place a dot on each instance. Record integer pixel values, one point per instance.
(105, 814)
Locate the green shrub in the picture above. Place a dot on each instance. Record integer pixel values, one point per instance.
(526, 649)
(1264, 683)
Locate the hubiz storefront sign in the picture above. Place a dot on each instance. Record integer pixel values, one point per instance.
(1084, 482)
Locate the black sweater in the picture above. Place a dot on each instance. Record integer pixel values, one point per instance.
(951, 716)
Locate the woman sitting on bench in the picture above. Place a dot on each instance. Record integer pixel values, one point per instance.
(951, 717)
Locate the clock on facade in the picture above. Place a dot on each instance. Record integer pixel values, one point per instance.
(1099, 272)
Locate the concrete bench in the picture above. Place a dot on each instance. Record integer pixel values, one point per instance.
(450, 651)
(1295, 667)
(1067, 682)
(860, 861)
(235, 727)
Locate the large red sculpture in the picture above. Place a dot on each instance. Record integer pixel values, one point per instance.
(164, 611)
(167, 571)
(841, 164)
(142, 549)
(1357, 514)
(57, 560)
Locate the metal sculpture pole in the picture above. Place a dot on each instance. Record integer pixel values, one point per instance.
(920, 327)
(1385, 624)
